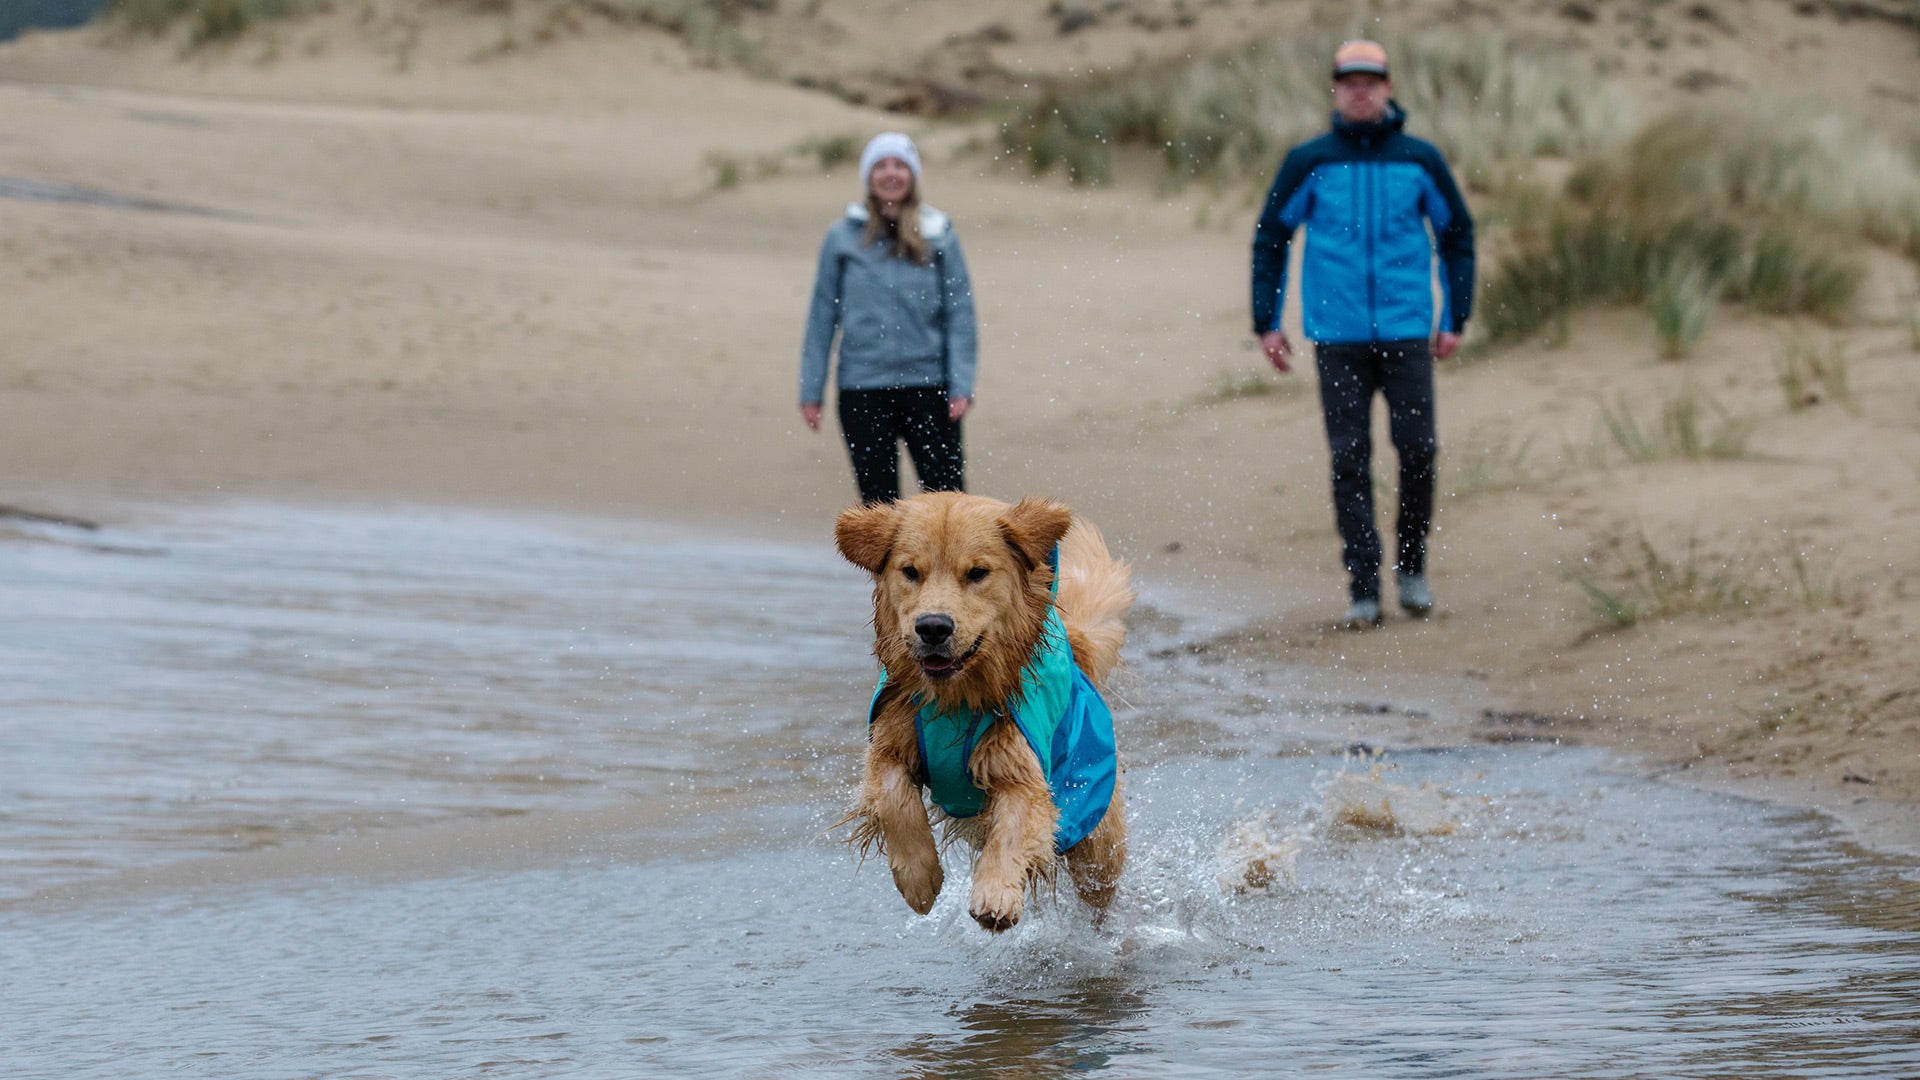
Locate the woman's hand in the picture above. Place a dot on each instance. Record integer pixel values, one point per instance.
(957, 407)
(810, 412)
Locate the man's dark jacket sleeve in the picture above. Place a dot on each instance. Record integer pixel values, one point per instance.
(1455, 243)
(1271, 237)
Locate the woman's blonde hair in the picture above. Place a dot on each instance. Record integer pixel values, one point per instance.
(905, 233)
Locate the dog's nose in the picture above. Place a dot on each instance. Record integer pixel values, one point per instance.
(934, 629)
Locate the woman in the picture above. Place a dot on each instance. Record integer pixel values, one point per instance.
(892, 281)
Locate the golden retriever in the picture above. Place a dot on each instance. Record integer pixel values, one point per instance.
(967, 615)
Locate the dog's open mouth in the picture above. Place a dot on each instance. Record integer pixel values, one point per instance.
(943, 664)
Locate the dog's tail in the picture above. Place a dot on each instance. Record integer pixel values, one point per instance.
(1095, 593)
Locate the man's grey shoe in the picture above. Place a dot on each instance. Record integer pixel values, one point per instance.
(1362, 614)
(1415, 597)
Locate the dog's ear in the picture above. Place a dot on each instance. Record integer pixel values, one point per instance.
(1033, 526)
(865, 534)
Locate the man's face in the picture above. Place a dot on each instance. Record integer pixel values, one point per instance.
(1361, 98)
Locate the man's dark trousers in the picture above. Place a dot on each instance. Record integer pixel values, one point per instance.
(1350, 375)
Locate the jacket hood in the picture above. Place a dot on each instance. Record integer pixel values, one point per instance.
(933, 223)
(1390, 124)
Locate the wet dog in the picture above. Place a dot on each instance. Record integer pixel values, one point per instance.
(995, 626)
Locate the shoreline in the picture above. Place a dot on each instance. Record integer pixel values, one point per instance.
(1383, 709)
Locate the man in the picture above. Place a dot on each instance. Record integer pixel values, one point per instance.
(1366, 193)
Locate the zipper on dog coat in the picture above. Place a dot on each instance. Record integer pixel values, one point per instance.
(1061, 715)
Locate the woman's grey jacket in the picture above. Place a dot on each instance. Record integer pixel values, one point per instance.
(901, 323)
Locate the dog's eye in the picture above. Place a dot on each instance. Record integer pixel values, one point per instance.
(910, 573)
(978, 573)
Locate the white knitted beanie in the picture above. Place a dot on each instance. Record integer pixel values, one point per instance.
(888, 144)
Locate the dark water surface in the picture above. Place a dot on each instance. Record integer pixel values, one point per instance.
(262, 765)
(18, 16)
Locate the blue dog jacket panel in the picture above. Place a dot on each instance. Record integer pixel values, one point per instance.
(1085, 766)
(1064, 720)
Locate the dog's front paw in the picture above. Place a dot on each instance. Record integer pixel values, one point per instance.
(919, 883)
(995, 905)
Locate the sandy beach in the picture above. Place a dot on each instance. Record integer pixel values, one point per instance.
(295, 268)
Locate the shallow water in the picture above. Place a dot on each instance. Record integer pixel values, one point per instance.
(236, 678)
(349, 716)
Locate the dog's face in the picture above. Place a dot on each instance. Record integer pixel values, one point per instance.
(960, 588)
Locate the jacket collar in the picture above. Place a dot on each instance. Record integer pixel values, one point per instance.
(1373, 130)
(933, 223)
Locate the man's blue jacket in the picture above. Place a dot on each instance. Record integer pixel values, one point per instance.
(1366, 193)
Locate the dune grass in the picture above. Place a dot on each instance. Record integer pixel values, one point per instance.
(726, 171)
(1696, 208)
(1674, 262)
(207, 20)
(1681, 301)
(710, 28)
(1691, 427)
(1496, 457)
(1753, 208)
(1656, 585)
(1807, 374)
(1229, 117)
(1646, 583)
(1237, 384)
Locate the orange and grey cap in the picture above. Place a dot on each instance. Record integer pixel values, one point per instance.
(1360, 56)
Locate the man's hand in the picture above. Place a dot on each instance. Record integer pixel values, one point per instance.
(1278, 349)
(1445, 344)
(957, 407)
(810, 412)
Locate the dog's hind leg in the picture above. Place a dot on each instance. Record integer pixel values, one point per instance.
(1018, 825)
(1095, 862)
(893, 811)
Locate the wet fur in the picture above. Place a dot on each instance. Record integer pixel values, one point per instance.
(926, 555)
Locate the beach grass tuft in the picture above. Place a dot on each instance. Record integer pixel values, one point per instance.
(1645, 582)
(1691, 427)
(1682, 300)
(1656, 585)
(207, 20)
(1496, 458)
(1807, 375)
(1615, 610)
(710, 28)
(831, 151)
(1236, 385)
(726, 170)
(1815, 582)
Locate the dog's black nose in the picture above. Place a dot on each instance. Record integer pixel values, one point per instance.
(934, 629)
